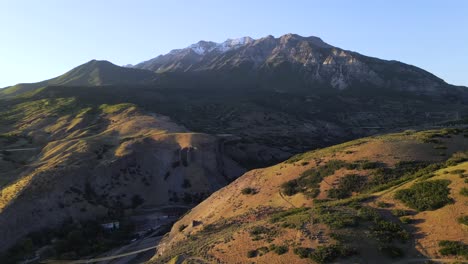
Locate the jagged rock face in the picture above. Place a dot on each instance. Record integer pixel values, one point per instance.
(307, 59)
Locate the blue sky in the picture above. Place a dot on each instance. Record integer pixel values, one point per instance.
(43, 39)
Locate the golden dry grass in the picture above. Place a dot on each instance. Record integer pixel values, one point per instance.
(230, 203)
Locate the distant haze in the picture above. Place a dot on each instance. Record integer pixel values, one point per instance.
(43, 39)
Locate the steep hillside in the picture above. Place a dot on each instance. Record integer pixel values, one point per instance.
(381, 199)
(61, 160)
(91, 73)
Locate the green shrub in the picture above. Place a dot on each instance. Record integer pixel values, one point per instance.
(182, 227)
(363, 165)
(251, 253)
(464, 191)
(368, 214)
(249, 191)
(280, 216)
(258, 230)
(400, 212)
(262, 251)
(406, 220)
(70, 239)
(385, 177)
(463, 220)
(336, 217)
(456, 248)
(303, 252)
(280, 250)
(337, 193)
(308, 182)
(367, 165)
(428, 195)
(348, 184)
(457, 158)
(326, 254)
(386, 231)
(458, 171)
(290, 188)
(383, 204)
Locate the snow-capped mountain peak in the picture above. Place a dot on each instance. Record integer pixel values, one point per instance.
(234, 43)
(204, 47)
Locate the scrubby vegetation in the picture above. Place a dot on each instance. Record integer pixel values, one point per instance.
(433, 136)
(326, 254)
(457, 158)
(464, 191)
(262, 232)
(279, 250)
(368, 213)
(383, 204)
(386, 232)
(381, 177)
(455, 248)
(308, 182)
(303, 252)
(427, 195)
(463, 220)
(281, 216)
(70, 241)
(406, 220)
(400, 212)
(385, 177)
(355, 217)
(337, 216)
(347, 185)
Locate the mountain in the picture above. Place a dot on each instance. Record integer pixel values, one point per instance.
(103, 143)
(92, 73)
(386, 199)
(295, 63)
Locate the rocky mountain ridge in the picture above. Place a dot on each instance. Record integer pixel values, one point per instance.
(311, 60)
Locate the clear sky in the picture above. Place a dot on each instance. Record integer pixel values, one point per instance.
(40, 39)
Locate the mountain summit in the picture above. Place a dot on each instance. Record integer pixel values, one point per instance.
(306, 62)
(92, 73)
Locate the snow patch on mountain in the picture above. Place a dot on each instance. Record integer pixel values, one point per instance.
(204, 47)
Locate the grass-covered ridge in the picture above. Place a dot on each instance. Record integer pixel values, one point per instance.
(329, 199)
